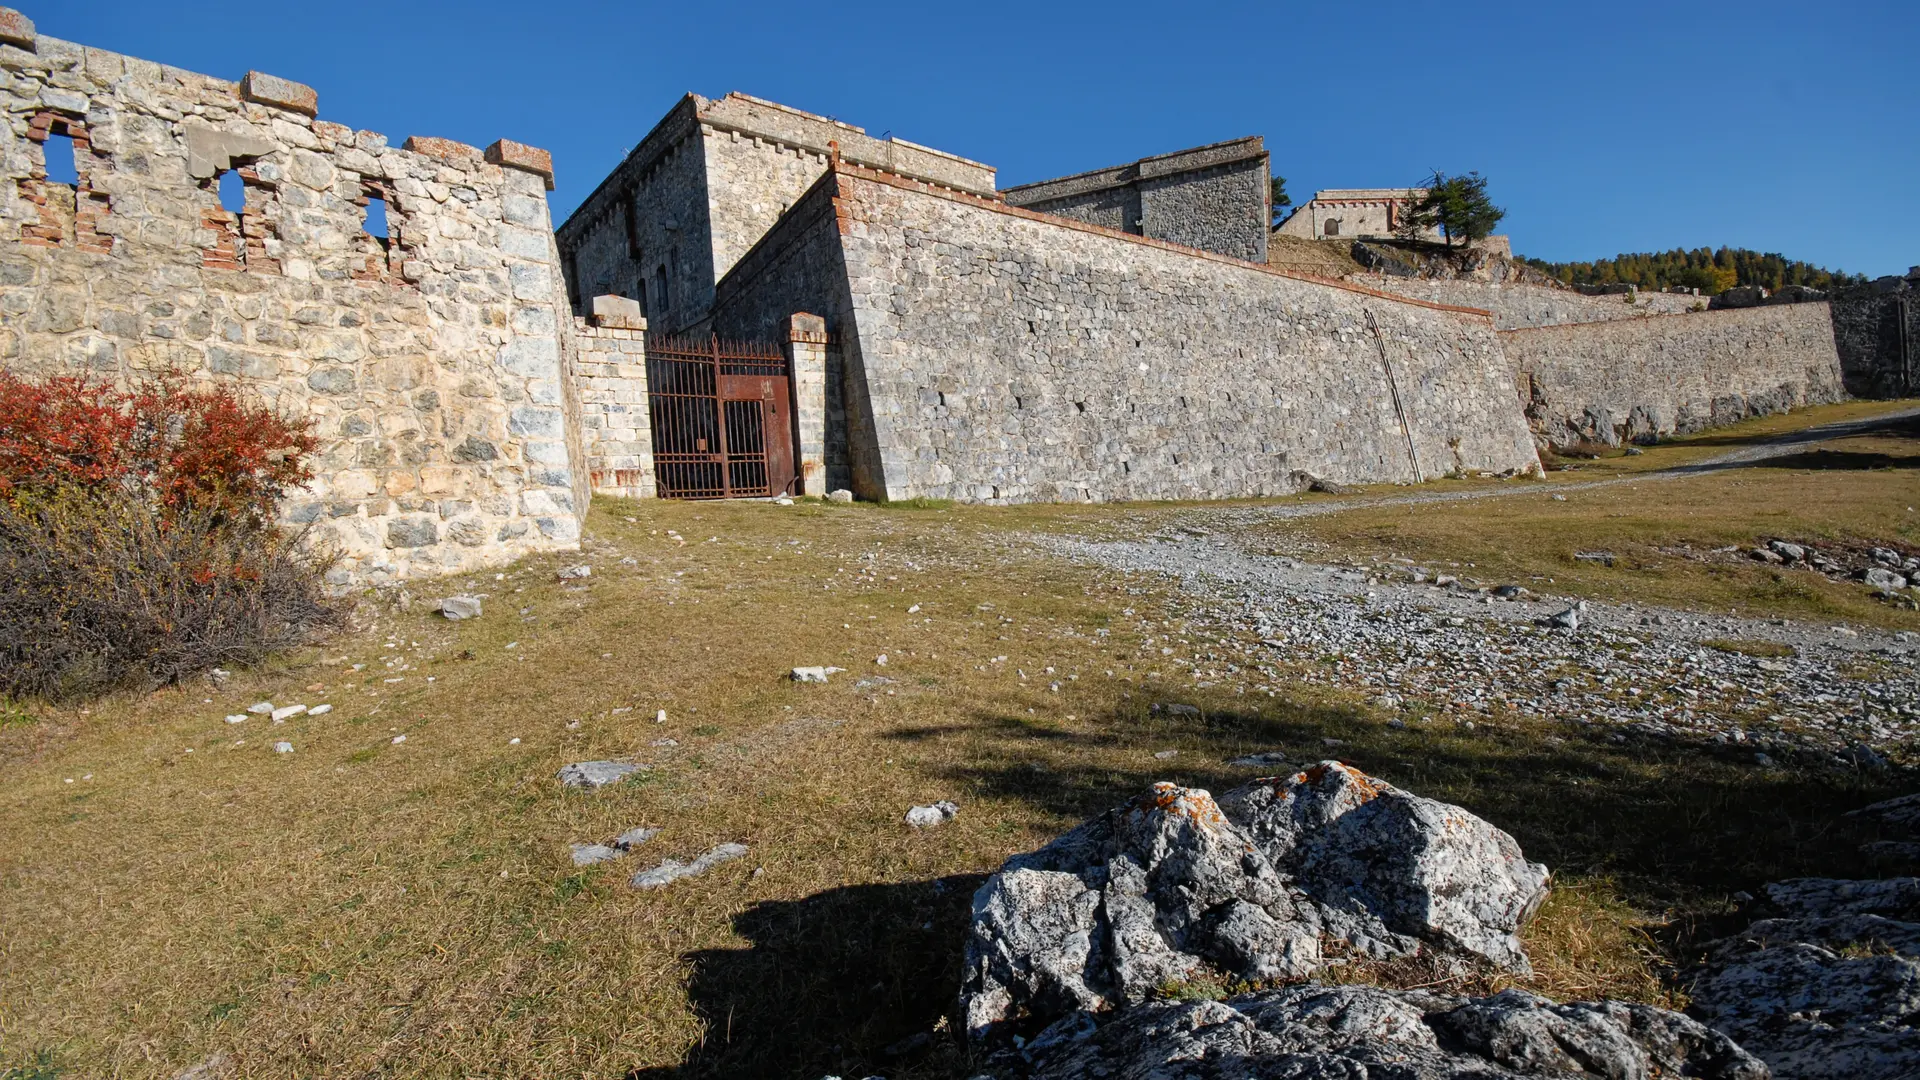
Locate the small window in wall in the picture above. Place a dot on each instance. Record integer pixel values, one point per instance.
(233, 192)
(376, 222)
(660, 287)
(641, 288)
(60, 160)
(1333, 227)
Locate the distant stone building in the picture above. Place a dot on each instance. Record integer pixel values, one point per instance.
(1214, 197)
(1352, 213)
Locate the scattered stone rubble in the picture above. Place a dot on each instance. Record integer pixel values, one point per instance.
(1440, 646)
(1277, 879)
(922, 817)
(1883, 569)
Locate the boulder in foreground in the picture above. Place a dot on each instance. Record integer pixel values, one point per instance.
(1264, 884)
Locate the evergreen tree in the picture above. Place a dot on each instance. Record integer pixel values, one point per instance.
(1457, 205)
(1281, 200)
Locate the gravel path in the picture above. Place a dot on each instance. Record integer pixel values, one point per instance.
(1442, 650)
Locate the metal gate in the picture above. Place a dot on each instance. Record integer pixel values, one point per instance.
(722, 417)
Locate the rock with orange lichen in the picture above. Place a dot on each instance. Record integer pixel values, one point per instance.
(1174, 886)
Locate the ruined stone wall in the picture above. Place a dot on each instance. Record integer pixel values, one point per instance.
(1214, 198)
(995, 354)
(1637, 379)
(1516, 305)
(431, 362)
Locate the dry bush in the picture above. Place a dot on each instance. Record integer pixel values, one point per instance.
(99, 592)
(136, 535)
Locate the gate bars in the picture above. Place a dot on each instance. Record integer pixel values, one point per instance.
(720, 418)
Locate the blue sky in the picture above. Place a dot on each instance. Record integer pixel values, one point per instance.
(1789, 127)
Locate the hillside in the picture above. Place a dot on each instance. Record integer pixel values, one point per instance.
(1710, 271)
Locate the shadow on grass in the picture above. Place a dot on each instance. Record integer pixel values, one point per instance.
(850, 981)
(835, 982)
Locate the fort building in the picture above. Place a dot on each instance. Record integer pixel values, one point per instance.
(1215, 197)
(761, 301)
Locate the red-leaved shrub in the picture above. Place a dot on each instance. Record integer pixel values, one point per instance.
(186, 447)
(137, 535)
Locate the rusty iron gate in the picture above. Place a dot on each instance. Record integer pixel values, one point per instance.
(722, 417)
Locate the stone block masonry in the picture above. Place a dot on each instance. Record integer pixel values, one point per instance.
(1000, 355)
(1638, 379)
(1213, 197)
(432, 360)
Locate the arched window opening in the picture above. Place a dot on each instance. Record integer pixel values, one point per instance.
(1333, 227)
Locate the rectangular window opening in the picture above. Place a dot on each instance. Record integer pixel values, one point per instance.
(62, 167)
(376, 221)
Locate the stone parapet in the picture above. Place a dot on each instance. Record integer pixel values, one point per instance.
(610, 371)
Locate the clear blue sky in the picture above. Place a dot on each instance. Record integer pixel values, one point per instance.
(1782, 126)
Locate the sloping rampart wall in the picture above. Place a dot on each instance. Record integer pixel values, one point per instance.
(995, 354)
(1637, 379)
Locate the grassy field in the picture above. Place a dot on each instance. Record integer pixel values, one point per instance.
(172, 888)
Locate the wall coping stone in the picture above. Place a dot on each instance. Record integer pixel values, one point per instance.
(1653, 315)
(513, 155)
(444, 149)
(265, 89)
(617, 313)
(16, 29)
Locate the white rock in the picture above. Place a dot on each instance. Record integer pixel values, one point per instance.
(239, 718)
(921, 817)
(260, 708)
(840, 495)
(456, 608)
(574, 573)
(283, 748)
(287, 712)
(320, 710)
(673, 870)
(596, 774)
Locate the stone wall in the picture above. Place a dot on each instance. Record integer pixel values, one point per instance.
(1215, 198)
(1517, 305)
(995, 354)
(1637, 379)
(610, 374)
(431, 360)
(1876, 327)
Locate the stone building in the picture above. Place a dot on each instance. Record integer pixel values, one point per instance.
(1352, 214)
(1877, 329)
(1215, 197)
(704, 185)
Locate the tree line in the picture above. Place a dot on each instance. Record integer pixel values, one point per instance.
(1709, 270)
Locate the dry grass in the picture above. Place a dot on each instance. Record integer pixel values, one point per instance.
(361, 907)
(1667, 536)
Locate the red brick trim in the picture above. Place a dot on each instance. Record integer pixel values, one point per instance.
(89, 206)
(859, 172)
